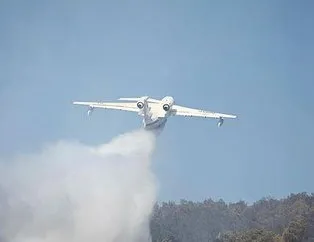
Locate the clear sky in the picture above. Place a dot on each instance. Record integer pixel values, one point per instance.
(251, 58)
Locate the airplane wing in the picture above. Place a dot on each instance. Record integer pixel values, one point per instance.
(127, 106)
(191, 112)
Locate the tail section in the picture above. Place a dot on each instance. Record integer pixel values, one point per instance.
(145, 111)
(136, 99)
(147, 114)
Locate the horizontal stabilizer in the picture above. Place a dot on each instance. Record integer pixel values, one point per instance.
(139, 98)
(129, 98)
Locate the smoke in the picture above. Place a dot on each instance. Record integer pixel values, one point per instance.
(73, 192)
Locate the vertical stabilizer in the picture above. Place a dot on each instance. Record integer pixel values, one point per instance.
(147, 115)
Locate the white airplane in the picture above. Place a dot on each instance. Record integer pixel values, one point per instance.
(155, 112)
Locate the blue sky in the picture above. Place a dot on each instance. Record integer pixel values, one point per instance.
(254, 59)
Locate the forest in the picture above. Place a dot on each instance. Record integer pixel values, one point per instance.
(290, 219)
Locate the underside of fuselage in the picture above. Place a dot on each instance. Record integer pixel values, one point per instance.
(157, 125)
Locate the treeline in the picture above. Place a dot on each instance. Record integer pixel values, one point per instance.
(286, 220)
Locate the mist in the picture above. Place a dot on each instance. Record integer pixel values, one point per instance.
(69, 191)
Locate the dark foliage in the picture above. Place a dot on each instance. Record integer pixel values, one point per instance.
(286, 220)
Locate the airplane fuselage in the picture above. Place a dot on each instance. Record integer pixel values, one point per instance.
(155, 124)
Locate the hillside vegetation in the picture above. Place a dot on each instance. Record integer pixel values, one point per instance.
(286, 220)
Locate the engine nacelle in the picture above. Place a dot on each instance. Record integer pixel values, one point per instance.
(140, 103)
(220, 122)
(167, 103)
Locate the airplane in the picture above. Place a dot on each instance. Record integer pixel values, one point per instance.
(155, 112)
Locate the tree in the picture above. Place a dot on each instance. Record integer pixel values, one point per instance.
(290, 219)
(295, 232)
(253, 235)
(170, 238)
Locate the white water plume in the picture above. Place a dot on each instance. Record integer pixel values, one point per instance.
(70, 192)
